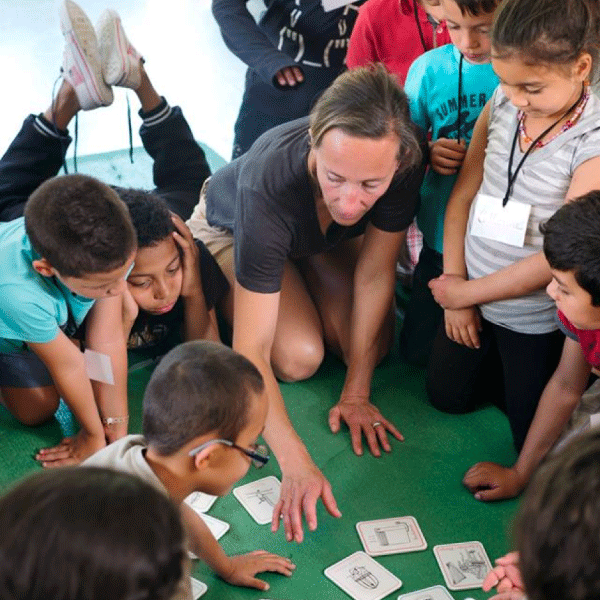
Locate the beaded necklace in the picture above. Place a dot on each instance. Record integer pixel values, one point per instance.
(577, 110)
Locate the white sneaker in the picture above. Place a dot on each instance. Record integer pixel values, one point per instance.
(81, 60)
(121, 62)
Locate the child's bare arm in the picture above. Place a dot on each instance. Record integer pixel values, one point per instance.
(237, 570)
(199, 322)
(489, 481)
(525, 276)
(104, 334)
(65, 363)
(464, 191)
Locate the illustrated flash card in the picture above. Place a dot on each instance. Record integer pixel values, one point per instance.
(362, 577)
(259, 498)
(217, 527)
(391, 536)
(463, 565)
(200, 501)
(437, 592)
(198, 588)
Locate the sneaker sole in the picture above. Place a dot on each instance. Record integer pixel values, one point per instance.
(113, 45)
(71, 15)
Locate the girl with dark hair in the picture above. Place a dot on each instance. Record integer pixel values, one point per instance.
(535, 146)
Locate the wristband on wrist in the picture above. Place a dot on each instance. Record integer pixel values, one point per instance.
(114, 420)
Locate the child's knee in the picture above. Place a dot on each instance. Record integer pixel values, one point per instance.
(297, 360)
(444, 398)
(31, 406)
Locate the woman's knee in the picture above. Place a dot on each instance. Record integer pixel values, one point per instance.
(299, 359)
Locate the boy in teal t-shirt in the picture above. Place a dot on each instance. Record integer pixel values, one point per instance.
(447, 88)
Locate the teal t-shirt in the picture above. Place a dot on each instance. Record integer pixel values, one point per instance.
(32, 307)
(432, 89)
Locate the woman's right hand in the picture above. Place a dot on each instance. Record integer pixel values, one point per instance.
(463, 326)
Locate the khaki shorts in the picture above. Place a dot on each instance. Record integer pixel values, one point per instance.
(218, 240)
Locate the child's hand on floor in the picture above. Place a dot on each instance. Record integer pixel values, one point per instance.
(490, 481)
(506, 578)
(71, 451)
(243, 568)
(446, 155)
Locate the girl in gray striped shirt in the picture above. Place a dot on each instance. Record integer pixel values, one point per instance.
(535, 145)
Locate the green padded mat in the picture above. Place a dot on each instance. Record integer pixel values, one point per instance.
(421, 477)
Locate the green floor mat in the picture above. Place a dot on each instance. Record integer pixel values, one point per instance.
(421, 478)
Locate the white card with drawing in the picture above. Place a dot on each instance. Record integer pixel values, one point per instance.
(98, 366)
(217, 527)
(362, 577)
(198, 588)
(464, 566)
(391, 536)
(200, 501)
(259, 498)
(437, 592)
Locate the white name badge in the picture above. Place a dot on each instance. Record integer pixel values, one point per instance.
(506, 224)
(333, 4)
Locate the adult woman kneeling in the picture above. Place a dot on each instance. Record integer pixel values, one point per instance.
(313, 217)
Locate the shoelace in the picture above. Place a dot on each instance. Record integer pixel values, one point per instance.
(62, 139)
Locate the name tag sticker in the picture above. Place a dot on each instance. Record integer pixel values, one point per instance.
(506, 224)
(98, 366)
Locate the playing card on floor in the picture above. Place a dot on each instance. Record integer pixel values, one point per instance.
(259, 498)
(437, 592)
(464, 565)
(362, 577)
(198, 588)
(391, 536)
(200, 501)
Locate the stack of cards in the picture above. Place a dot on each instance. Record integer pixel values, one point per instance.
(200, 502)
(259, 498)
(463, 565)
(391, 536)
(362, 578)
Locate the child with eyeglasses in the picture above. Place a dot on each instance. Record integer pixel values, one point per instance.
(203, 409)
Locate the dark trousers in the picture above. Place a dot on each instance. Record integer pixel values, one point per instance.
(265, 106)
(179, 170)
(510, 369)
(423, 314)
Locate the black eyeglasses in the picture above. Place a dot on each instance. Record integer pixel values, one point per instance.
(259, 453)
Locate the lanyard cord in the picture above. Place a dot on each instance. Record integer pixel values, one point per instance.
(459, 118)
(513, 177)
(419, 26)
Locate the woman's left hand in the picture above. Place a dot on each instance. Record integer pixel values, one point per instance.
(362, 417)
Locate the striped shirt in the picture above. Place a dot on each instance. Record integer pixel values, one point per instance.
(542, 182)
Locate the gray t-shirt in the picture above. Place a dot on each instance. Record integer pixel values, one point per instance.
(543, 183)
(266, 198)
(127, 455)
